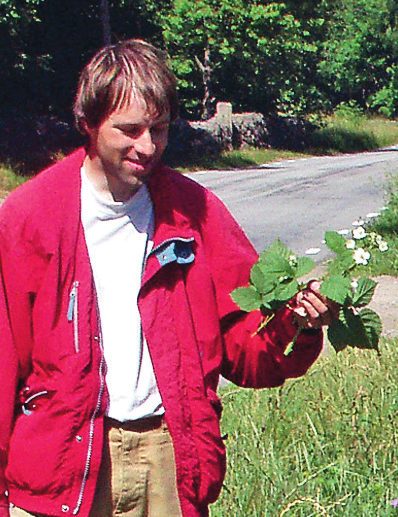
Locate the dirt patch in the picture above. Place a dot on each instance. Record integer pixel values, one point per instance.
(385, 303)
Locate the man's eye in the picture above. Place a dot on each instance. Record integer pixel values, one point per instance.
(134, 131)
(131, 131)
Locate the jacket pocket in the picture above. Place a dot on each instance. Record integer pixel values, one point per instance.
(73, 314)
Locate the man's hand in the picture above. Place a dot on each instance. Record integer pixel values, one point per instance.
(313, 308)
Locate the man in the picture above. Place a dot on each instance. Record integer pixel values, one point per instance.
(116, 319)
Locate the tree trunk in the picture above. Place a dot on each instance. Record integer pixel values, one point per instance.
(105, 22)
(205, 68)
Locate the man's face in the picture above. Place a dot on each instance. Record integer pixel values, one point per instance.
(125, 148)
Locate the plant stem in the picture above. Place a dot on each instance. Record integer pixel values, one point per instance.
(289, 348)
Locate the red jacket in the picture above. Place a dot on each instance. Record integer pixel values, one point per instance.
(51, 434)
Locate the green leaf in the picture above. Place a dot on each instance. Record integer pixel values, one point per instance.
(304, 265)
(342, 263)
(277, 248)
(261, 281)
(276, 266)
(364, 292)
(285, 292)
(373, 327)
(357, 329)
(268, 302)
(337, 288)
(247, 298)
(335, 242)
(338, 335)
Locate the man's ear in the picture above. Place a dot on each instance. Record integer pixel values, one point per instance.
(84, 127)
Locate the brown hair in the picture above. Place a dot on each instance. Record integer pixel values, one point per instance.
(119, 73)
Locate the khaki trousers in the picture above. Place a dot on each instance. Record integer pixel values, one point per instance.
(137, 477)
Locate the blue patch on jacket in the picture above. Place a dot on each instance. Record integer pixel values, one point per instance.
(177, 251)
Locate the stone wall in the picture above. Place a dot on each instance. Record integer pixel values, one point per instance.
(224, 131)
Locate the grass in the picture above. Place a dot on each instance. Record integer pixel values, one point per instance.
(354, 134)
(322, 445)
(386, 224)
(237, 159)
(9, 179)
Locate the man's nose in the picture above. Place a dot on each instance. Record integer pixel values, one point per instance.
(144, 143)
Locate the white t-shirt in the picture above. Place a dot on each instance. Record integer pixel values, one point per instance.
(118, 237)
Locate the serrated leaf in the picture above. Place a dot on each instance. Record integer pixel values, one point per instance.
(338, 335)
(373, 326)
(335, 242)
(342, 263)
(304, 265)
(285, 292)
(359, 338)
(247, 298)
(364, 328)
(276, 266)
(262, 282)
(337, 288)
(364, 292)
(277, 248)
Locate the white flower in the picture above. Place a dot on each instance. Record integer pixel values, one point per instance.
(292, 260)
(354, 285)
(343, 231)
(371, 215)
(358, 222)
(361, 256)
(359, 233)
(350, 244)
(383, 246)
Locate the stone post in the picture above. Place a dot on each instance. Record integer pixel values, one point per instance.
(224, 119)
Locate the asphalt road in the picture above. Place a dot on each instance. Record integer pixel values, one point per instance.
(298, 200)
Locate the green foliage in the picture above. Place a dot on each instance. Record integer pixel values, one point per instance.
(321, 445)
(387, 221)
(385, 100)
(360, 47)
(289, 57)
(275, 281)
(265, 49)
(349, 130)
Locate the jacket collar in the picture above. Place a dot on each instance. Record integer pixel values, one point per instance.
(174, 236)
(171, 221)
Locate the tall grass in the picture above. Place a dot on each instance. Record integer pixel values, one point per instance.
(322, 445)
(350, 130)
(386, 224)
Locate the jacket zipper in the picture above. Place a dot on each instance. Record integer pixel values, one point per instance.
(73, 314)
(92, 421)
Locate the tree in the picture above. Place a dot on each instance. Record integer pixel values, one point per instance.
(253, 53)
(360, 49)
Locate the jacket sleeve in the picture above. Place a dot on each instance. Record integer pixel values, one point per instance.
(256, 359)
(16, 339)
(8, 381)
(250, 359)
(9, 372)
